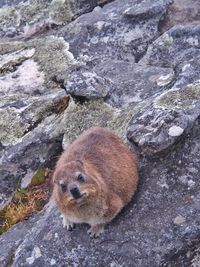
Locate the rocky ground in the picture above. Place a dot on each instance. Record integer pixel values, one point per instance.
(132, 66)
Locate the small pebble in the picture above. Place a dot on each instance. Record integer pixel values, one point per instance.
(175, 131)
(179, 220)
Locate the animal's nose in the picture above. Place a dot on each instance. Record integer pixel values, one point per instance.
(75, 192)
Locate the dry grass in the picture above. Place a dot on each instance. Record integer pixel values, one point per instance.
(25, 203)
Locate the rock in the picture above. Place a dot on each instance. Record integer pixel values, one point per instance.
(120, 30)
(29, 108)
(91, 114)
(179, 219)
(177, 47)
(27, 18)
(119, 83)
(150, 129)
(36, 60)
(36, 253)
(181, 12)
(29, 150)
(179, 104)
(13, 238)
(131, 231)
(86, 84)
(121, 74)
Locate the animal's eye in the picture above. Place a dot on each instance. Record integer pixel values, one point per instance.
(63, 187)
(80, 178)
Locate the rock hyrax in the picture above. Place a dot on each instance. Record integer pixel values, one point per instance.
(94, 179)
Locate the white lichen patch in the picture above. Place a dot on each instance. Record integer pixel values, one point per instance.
(97, 9)
(186, 67)
(168, 40)
(175, 131)
(36, 253)
(15, 57)
(52, 262)
(99, 25)
(165, 79)
(163, 184)
(51, 55)
(192, 41)
(179, 220)
(12, 127)
(26, 79)
(179, 98)
(132, 35)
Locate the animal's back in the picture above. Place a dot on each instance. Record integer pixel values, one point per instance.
(110, 157)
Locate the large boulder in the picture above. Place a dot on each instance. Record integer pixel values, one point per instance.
(159, 226)
(120, 30)
(119, 83)
(173, 111)
(30, 131)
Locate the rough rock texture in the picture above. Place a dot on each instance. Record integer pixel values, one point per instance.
(119, 83)
(168, 196)
(180, 105)
(120, 73)
(29, 135)
(27, 18)
(181, 12)
(120, 30)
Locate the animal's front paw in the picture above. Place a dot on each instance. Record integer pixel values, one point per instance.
(96, 230)
(67, 224)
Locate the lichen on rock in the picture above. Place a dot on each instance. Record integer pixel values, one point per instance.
(94, 113)
(179, 98)
(51, 54)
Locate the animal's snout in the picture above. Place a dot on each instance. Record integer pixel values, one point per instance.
(75, 191)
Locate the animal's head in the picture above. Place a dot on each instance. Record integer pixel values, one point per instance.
(73, 184)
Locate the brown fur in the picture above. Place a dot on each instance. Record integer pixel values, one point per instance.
(111, 178)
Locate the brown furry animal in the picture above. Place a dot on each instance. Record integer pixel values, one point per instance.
(94, 179)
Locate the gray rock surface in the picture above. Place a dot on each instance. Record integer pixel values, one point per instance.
(179, 104)
(27, 18)
(120, 73)
(152, 129)
(162, 220)
(120, 30)
(119, 83)
(181, 12)
(29, 132)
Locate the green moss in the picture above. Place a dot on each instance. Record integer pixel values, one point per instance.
(60, 11)
(33, 11)
(9, 17)
(12, 126)
(36, 11)
(39, 177)
(10, 261)
(51, 54)
(179, 98)
(78, 118)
